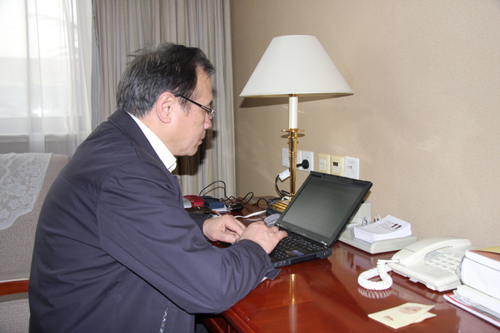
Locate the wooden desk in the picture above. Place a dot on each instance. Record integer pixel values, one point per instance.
(323, 296)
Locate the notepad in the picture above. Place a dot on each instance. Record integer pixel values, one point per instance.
(389, 227)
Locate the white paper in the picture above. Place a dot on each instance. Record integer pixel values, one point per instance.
(403, 315)
(389, 227)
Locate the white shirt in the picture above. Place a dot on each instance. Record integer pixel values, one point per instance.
(165, 155)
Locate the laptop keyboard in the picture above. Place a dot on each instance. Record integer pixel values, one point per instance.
(293, 246)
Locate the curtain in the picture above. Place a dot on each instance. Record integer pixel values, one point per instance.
(46, 65)
(128, 25)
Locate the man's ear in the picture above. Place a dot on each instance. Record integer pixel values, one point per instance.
(162, 106)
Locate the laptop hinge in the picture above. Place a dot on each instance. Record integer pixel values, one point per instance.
(326, 246)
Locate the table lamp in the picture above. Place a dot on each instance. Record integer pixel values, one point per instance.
(292, 66)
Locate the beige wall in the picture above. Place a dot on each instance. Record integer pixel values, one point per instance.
(424, 119)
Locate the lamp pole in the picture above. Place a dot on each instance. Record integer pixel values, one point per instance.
(293, 135)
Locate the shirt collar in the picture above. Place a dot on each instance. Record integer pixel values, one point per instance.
(165, 155)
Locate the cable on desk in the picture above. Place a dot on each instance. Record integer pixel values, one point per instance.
(231, 201)
(249, 215)
(227, 200)
(267, 202)
(381, 270)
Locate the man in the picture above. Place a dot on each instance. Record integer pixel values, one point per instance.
(114, 250)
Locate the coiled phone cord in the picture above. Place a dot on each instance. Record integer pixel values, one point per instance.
(381, 270)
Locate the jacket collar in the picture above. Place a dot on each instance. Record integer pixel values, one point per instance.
(163, 152)
(122, 120)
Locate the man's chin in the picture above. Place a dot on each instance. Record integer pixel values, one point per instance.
(192, 153)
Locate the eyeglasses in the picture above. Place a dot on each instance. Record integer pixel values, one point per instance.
(210, 112)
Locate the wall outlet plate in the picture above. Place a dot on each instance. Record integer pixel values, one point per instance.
(351, 167)
(336, 165)
(285, 158)
(324, 163)
(305, 155)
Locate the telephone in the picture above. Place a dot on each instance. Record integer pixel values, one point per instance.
(432, 261)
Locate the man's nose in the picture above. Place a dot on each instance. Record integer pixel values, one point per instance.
(208, 123)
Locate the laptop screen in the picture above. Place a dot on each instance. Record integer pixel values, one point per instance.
(323, 206)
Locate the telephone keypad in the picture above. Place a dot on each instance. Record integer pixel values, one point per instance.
(447, 261)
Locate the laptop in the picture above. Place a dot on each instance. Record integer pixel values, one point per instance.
(316, 217)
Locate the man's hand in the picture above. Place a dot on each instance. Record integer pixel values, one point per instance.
(225, 229)
(261, 234)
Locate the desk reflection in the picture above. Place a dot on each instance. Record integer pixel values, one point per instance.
(323, 295)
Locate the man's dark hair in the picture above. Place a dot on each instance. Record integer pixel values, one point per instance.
(153, 71)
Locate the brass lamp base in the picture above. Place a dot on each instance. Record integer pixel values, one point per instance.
(293, 135)
(278, 207)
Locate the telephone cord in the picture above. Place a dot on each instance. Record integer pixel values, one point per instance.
(381, 270)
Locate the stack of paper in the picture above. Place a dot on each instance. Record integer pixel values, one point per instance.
(389, 227)
(474, 308)
(474, 295)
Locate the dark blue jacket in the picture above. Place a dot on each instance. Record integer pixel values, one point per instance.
(116, 252)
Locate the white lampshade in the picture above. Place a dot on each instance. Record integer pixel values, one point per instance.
(295, 65)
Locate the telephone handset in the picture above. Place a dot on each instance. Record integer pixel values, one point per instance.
(433, 262)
